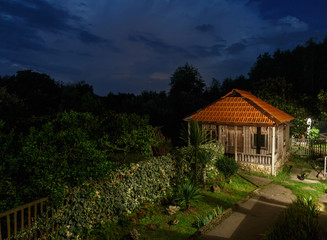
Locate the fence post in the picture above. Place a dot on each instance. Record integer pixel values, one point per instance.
(325, 166)
(273, 151)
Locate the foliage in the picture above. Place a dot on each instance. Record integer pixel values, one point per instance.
(187, 193)
(235, 191)
(63, 153)
(298, 222)
(108, 230)
(128, 133)
(227, 166)
(206, 218)
(9, 189)
(96, 202)
(194, 137)
(314, 133)
(217, 149)
(160, 144)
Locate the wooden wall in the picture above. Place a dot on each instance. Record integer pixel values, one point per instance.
(226, 135)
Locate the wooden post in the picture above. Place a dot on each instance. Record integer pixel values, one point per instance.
(325, 167)
(235, 145)
(8, 226)
(188, 131)
(273, 151)
(258, 140)
(15, 224)
(22, 220)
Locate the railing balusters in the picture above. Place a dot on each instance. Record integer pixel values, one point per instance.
(15, 224)
(22, 226)
(8, 226)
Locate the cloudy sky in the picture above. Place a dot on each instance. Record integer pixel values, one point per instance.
(135, 45)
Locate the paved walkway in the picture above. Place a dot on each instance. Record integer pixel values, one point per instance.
(252, 217)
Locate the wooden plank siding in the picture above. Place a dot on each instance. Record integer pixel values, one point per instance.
(246, 151)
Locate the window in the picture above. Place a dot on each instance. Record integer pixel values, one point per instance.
(210, 132)
(262, 132)
(263, 141)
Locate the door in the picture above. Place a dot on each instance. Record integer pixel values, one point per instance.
(230, 148)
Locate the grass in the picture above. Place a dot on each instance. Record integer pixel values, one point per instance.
(302, 162)
(225, 199)
(300, 189)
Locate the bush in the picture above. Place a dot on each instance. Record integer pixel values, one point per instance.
(227, 166)
(314, 133)
(298, 222)
(217, 149)
(94, 202)
(63, 153)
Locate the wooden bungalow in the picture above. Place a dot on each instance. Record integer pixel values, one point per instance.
(255, 133)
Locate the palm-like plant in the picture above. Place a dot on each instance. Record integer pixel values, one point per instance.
(187, 193)
(195, 137)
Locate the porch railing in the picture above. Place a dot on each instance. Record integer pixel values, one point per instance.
(19, 218)
(254, 158)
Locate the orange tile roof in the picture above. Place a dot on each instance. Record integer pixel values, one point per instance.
(240, 108)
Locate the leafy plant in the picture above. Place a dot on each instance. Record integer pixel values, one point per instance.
(298, 222)
(227, 166)
(96, 202)
(187, 193)
(206, 218)
(314, 133)
(195, 137)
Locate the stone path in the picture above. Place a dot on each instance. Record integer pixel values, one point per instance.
(311, 178)
(252, 217)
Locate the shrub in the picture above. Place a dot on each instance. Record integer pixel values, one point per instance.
(298, 222)
(227, 166)
(63, 153)
(187, 193)
(217, 149)
(206, 218)
(96, 202)
(314, 133)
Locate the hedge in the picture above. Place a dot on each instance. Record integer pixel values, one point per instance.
(95, 202)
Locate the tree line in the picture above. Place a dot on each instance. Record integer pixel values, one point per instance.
(292, 80)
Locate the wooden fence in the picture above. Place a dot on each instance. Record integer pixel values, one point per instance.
(307, 147)
(19, 218)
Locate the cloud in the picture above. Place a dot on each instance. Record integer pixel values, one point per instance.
(205, 28)
(290, 23)
(236, 48)
(160, 76)
(127, 45)
(156, 44)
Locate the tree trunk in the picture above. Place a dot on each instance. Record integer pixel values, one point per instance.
(204, 176)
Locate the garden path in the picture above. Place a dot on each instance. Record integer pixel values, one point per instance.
(253, 216)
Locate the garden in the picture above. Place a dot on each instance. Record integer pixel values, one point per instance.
(95, 192)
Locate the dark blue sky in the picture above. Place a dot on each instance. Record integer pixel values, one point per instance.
(135, 45)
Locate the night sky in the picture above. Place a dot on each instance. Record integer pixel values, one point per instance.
(135, 45)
